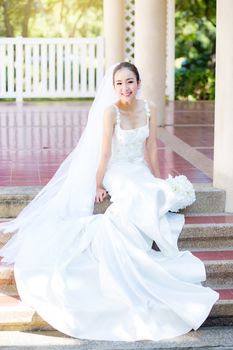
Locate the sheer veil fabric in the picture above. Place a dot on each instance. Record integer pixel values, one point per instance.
(96, 276)
(71, 191)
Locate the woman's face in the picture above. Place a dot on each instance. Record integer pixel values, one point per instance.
(125, 84)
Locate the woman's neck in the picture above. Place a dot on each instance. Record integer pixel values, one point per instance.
(127, 106)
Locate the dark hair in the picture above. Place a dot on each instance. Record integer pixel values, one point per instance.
(129, 66)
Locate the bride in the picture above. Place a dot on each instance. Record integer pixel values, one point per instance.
(97, 276)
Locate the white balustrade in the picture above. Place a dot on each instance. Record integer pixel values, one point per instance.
(50, 67)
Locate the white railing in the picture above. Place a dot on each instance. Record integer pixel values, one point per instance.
(50, 67)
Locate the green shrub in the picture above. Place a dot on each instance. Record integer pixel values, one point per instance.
(194, 84)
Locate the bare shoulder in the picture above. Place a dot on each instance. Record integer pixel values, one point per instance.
(151, 105)
(110, 109)
(110, 114)
(153, 110)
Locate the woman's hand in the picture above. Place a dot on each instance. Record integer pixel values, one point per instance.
(101, 193)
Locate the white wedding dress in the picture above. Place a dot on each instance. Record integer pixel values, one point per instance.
(96, 277)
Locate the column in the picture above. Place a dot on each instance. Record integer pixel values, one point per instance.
(223, 145)
(150, 51)
(170, 69)
(114, 31)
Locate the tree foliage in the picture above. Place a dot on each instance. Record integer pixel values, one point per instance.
(195, 49)
(51, 18)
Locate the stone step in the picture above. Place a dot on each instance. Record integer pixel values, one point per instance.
(219, 271)
(14, 198)
(15, 315)
(222, 312)
(205, 338)
(208, 200)
(219, 268)
(205, 232)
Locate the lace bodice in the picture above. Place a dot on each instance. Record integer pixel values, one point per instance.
(128, 145)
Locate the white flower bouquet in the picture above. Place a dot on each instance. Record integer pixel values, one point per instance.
(184, 191)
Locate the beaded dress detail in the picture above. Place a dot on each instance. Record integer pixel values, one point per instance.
(128, 144)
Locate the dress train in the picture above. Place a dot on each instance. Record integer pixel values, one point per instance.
(98, 278)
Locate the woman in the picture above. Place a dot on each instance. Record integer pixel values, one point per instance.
(96, 276)
(126, 82)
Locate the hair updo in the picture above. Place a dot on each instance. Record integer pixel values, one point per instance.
(129, 66)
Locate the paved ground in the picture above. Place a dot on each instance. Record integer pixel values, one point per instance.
(219, 338)
(36, 137)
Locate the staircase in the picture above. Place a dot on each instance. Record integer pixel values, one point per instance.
(208, 233)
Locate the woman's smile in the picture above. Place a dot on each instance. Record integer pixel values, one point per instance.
(126, 94)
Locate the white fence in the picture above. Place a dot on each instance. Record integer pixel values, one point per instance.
(50, 67)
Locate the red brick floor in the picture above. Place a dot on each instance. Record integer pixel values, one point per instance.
(215, 255)
(36, 137)
(193, 122)
(195, 136)
(225, 294)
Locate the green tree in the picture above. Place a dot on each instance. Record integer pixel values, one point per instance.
(15, 16)
(195, 49)
(51, 18)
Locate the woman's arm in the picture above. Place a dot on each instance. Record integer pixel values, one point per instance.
(151, 145)
(108, 126)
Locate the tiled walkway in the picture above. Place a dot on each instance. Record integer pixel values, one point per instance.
(36, 137)
(194, 124)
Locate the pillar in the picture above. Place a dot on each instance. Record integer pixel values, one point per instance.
(150, 51)
(114, 30)
(223, 145)
(170, 69)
